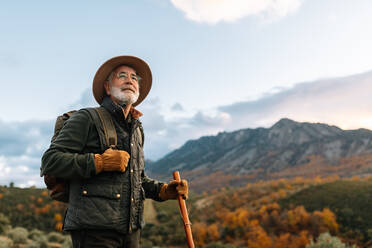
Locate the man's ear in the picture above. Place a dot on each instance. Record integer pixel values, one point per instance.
(106, 84)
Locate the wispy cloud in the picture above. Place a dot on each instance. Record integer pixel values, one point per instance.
(214, 11)
(345, 102)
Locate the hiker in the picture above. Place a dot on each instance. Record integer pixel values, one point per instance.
(107, 186)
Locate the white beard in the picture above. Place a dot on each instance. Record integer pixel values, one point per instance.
(124, 97)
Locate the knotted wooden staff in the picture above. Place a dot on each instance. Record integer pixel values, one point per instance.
(184, 214)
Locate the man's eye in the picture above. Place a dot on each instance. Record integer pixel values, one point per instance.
(122, 75)
(135, 78)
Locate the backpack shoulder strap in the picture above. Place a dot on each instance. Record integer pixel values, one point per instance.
(108, 127)
(105, 127)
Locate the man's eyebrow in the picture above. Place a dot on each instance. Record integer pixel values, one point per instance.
(132, 73)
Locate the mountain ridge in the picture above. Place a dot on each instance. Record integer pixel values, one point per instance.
(286, 144)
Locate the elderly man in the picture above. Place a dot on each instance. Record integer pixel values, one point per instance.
(107, 187)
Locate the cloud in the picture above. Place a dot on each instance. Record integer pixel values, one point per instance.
(344, 102)
(214, 11)
(152, 119)
(24, 174)
(86, 100)
(21, 147)
(9, 60)
(28, 137)
(23, 143)
(203, 120)
(177, 107)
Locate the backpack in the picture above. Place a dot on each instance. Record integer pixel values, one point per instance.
(59, 187)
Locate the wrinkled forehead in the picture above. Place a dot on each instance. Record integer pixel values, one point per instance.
(125, 68)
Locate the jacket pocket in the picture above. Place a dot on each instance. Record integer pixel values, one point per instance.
(100, 205)
(101, 190)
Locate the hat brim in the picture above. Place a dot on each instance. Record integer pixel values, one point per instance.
(141, 67)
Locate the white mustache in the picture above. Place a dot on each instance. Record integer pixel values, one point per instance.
(122, 88)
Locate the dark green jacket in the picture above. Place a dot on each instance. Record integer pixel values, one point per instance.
(108, 200)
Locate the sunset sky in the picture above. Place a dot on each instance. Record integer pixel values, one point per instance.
(217, 66)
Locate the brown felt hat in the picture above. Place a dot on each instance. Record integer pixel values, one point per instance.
(141, 67)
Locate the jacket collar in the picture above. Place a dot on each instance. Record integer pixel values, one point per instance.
(136, 114)
(117, 110)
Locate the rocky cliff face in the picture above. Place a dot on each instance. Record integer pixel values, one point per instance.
(286, 144)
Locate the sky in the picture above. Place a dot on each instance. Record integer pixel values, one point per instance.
(217, 66)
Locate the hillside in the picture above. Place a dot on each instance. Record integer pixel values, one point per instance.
(226, 218)
(32, 207)
(351, 201)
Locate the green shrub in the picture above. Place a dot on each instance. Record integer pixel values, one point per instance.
(67, 243)
(146, 243)
(56, 237)
(36, 235)
(18, 235)
(39, 239)
(4, 223)
(325, 240)
(5, 242)
(32, 245)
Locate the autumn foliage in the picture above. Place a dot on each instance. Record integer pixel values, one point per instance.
(251, 217)
(31, 207)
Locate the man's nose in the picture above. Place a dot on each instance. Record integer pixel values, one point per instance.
(130, 81)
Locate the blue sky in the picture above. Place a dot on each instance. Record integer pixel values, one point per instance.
(217, 66)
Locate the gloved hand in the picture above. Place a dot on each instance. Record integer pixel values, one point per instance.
(173, 189)
(111, 160)
(58, 187)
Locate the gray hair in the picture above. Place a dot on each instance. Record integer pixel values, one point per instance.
(110, 76)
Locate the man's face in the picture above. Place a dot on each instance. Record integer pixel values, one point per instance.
(124, 86)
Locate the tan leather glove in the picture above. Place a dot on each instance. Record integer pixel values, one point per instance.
(173, 189)
(111, 160)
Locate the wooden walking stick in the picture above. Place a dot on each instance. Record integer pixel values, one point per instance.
(184, 214)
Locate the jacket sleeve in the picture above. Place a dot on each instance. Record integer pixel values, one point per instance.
(152, 187)
(65, 157)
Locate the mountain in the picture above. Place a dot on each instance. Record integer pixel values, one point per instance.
(286, 149)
